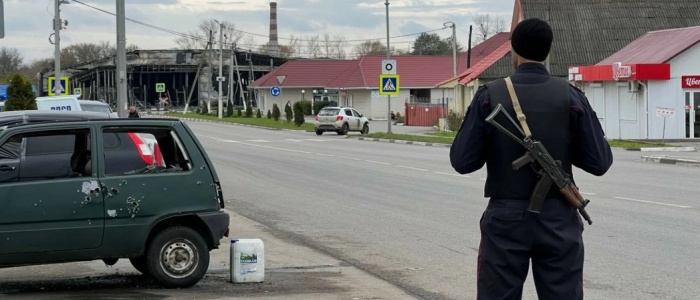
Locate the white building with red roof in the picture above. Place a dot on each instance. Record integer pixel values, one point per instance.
(650, 89)
(355, 83)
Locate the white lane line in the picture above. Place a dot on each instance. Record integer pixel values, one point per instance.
(294, 140)
(259, 141)
(412, 168)
(588, 194)
(378, 162)
(452, 174)
(326, 155)
(316, 140)
(482, 179)
(350, 158)
(651, 202)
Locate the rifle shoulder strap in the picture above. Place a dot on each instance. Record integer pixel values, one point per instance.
(516, 105)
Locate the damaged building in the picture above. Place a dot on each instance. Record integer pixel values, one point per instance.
(187, 76)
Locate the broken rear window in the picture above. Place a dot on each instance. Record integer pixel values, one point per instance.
(143, 151)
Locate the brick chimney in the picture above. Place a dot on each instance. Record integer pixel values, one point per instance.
(273, 46)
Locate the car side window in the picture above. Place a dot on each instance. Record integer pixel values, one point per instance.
(132, 151)
(46, 155)
(355, 113)
(348, 112)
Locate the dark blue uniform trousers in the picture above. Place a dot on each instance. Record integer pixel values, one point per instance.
(511, 236)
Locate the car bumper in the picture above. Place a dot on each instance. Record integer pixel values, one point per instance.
(328, 126)
(218, 224)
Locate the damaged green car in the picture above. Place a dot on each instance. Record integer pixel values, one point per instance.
(77, 186)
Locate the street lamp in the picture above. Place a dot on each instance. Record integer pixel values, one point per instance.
(312, 102)
(454, 46)
(302, 94)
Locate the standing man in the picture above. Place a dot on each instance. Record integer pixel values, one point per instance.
(560, 116)
(133, 113)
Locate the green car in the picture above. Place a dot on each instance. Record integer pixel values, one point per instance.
(79, 187)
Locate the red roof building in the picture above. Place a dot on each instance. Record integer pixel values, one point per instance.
(355, 82)
(650, 89)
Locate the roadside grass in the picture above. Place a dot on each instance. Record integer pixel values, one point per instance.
(262, 122)
(446, 137)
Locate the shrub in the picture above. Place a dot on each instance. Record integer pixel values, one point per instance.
(288, 113)
(240, 113)
(269, 114)
(229, 109)
(454, 121)
(248, 110)
(205, 110)
(298, 113)
(258, 114)
(276, 112)
(20, 95)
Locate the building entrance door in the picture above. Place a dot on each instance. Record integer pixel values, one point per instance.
(692, 114)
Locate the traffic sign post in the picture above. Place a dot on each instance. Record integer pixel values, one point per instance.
(60, 89)
(160, 87)
(275, 91)
(665, 113)
(389, 85)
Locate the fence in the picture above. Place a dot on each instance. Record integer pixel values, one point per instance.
(424, 114)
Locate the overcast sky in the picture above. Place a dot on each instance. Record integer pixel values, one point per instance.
(28, 22)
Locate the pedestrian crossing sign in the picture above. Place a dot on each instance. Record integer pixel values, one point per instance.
(389, 85)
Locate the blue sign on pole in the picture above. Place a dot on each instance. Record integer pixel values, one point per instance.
(275, 91)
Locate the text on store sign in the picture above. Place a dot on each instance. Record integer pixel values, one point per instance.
(691, 82)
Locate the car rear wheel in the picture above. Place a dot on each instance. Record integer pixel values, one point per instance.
(365, 129)
(344, 130)
(319, 132)
(178, 257)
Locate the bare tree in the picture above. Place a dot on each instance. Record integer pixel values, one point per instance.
(10, 60)
(313, 46)
(335, 47)
(370, 47)
(198, 39)
(488, 25)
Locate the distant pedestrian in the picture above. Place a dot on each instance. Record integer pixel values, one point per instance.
(133, 113)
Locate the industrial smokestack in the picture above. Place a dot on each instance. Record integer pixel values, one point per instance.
(273, 45)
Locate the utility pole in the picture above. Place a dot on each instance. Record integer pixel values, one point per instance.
(57, 26)
(388, 56)
(220, 79)
(211, 71)
(454, 47)
(121, 59)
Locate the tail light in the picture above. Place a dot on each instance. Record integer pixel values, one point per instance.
(145, 152)
(339, 118)
(316, 118)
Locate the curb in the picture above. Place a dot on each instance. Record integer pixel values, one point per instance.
(224, 122)
(668, 149)
(405, 142)
(671, 161)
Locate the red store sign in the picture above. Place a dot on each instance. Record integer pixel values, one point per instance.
(690, 82)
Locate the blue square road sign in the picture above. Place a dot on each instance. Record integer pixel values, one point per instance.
(389, 85)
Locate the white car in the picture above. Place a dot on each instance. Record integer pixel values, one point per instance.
(341, 120)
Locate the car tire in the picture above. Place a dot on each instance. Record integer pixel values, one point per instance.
(344, 130)
(365, 129)
(173, 244)
(319, 132)
(139, 263)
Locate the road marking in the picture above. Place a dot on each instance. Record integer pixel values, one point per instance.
(350, 158)
(378, 162)
(482, 179)
(294, 140)
(588, 194)
(316, 140)
(259, 141)
(652, 202)
(452, 174)
(412, 168)
(323, 154)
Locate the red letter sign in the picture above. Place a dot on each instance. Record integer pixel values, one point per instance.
(691, 82)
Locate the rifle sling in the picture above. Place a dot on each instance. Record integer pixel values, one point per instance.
(516, 105)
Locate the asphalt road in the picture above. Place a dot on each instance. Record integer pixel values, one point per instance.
(401, 212)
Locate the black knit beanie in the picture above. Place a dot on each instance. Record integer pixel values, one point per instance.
(532, 39)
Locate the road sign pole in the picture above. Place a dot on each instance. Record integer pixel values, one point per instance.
(388, 56)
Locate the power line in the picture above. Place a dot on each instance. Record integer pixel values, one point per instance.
(173, 32)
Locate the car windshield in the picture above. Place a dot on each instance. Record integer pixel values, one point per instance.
(96, 108)
(328, 112)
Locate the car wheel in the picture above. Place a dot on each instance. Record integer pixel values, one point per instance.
(344, 130)
(178, 257)
(139, 263)
(319, 132)
(365, 129)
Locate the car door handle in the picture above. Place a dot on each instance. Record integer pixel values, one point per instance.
(6, 168)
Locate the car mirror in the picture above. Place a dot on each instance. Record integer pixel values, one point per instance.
(361, 115)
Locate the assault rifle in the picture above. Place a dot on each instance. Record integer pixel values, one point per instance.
(549, 170)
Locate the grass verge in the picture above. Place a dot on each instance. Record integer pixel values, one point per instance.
(262, 122)
(446, 137)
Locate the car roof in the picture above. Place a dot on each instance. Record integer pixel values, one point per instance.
(92, 102)
(40, 116)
